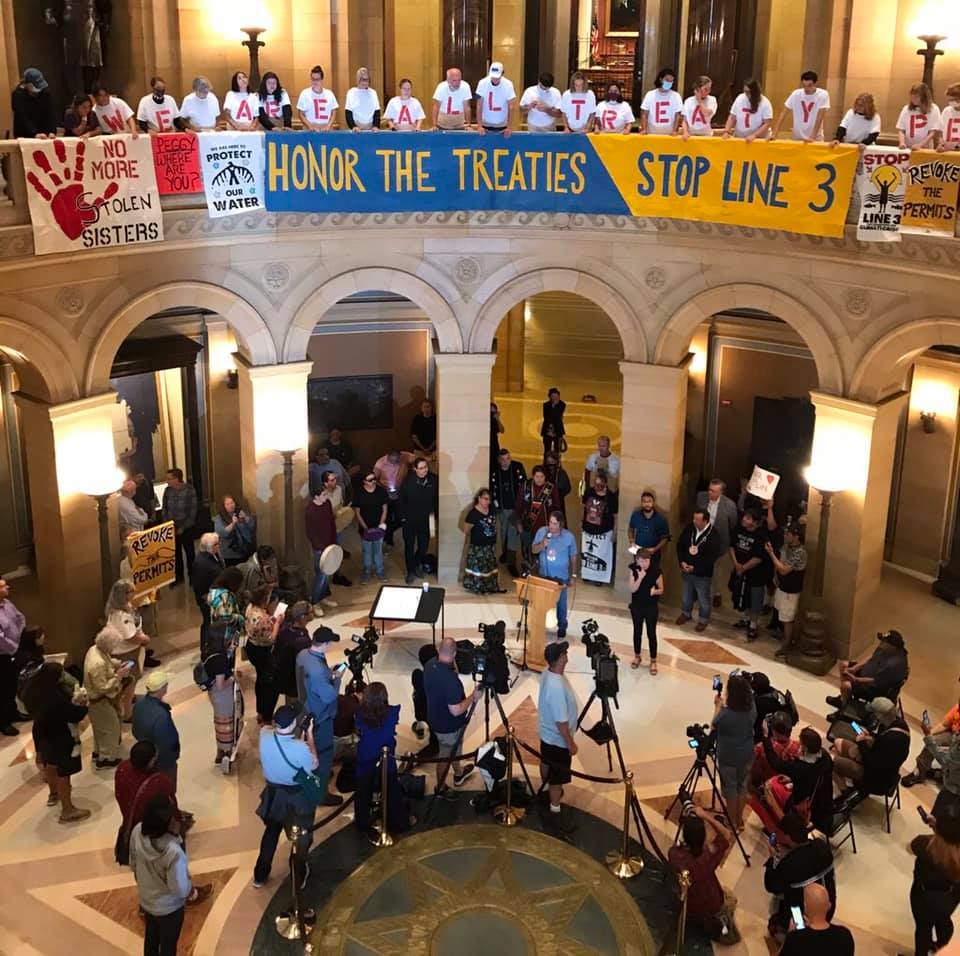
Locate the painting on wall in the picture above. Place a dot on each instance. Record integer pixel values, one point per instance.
(353, 403)
(625, 18)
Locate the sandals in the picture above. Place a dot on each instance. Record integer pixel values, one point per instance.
(653, 668)
(637, 661)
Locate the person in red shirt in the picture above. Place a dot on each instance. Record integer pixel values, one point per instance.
(707, 904)
(942, 734)
(321, 529)
(783, 746)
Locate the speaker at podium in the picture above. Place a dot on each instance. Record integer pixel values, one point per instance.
(540, 595)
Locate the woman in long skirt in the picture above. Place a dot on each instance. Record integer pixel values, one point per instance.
(481, 574)
(219, 668)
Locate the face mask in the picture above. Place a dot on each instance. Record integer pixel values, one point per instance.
(614, 97)
(666, 85)
(158, 96)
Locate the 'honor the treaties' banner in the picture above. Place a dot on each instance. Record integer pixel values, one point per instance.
(930, 202)
(232, 165)
(881, 182)
(91, 193)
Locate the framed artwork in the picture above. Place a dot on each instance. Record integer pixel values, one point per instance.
(624, 18)
(354, 402)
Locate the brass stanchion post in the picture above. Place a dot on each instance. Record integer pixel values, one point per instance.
(383, 837)
(684, 881)
(507, 814)
(298, 922)
(620, 863)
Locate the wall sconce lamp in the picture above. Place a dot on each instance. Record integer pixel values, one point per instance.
(929, 54)
(233, 378)
(253, 44)
(928, 421)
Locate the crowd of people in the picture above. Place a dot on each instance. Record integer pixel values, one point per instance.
(492, 107)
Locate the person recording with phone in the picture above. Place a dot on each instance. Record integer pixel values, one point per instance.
(939, 741)
(872, 761)
(935, 891)
(708, 906)
(733, 717)
(812, 933)
(447, 709)
(319, 688)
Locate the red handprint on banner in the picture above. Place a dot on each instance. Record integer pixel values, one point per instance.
(71, 209)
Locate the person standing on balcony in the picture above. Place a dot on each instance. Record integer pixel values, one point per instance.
(496, 102)
(275, 109)
(661, 111)
(860, 124)
(699, 110)
(809, 105)
(578, 105)
(950, 120)
(200, 109)
(451, 102)
(613, 115)
(316, 105)
(362, 112)
(750, 116)
(158, 111)
(241, 106)
(540, 105)
(113, 114)
(32, 107)
(405, 113)
(919, 121)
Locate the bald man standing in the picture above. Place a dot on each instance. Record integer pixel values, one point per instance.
(447, 709)
(131, 518)
(818, 937)
(451, 102)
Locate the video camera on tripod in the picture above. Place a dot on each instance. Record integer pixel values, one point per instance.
(703, 739)
(602, 659)
(358, 657)
(486, 662)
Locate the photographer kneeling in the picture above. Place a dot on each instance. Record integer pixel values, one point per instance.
(377, 726)
(447, 708)
(707, 905)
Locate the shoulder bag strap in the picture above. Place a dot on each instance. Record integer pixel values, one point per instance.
(284, 756)
(128, 828)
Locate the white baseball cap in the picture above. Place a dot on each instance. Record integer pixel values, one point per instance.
(496, 69)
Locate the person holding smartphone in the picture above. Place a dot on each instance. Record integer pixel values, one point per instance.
(104, 679)
(939, 741)
(734, 717)
(811, 932)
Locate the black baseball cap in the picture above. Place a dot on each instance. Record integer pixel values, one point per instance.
(892, 637)
(323, 635)
(553, 652)
(285, 716)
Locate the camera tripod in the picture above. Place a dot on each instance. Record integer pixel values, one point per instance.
(689, 785)
(522, 634)
(607, 718)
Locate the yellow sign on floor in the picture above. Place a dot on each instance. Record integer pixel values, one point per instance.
(153, 558)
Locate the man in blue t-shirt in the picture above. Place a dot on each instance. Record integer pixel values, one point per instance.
(557, 548)
(557, 723)
(648, 529)
(447, 708)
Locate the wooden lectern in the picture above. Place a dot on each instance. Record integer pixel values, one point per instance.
(542, 595)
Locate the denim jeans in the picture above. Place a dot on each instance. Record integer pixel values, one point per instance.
(693, 585)
(320, 587)
(562, 610)
(372, 552)
(161, 933)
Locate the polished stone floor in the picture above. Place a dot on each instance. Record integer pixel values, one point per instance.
(63, 894)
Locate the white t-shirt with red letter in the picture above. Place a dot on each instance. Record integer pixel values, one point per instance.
(537, 120)
(362, 103)
(662, 108)
(202, 112)
(241, 107)
(748, 123)
(451, 112)
(494, 101)
(578, 108)
(916, 126)
(614, 117)
(950, 126)
(274, 108)
(699, 115)
(404, 112)
(806, 109)
(113, 117)
(159, 117)
(319, 108)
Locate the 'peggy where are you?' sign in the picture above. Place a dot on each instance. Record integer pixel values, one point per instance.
(91, 193)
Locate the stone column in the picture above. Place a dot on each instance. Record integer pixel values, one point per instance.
(223, 404)
(465, 31)
(651, 453)
(858, 441)
(273, 418)
(508, 40)
(62, 441)
(463, 440)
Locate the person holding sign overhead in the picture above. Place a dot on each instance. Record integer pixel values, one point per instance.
(578, 105)
(497, 102)
(750, 116)
(662, 107)
(540, 105)
(699, 110)
(241, 107)
(200, 109)
(809, 105)
(362, 109)
(451, 102)
(404, 113)
(613, 115)
(919, 121)
(317, 106)
(275, 109)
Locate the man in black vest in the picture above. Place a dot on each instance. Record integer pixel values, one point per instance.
(506, 480)
(551, 431)
(418, 500)
(698, 548)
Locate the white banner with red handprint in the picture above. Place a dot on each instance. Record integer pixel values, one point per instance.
(232, 166)
(881, 183)
(91, 193)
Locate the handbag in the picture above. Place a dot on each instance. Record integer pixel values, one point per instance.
(312, 786)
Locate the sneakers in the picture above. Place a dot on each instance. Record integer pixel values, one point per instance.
(459, 779)
(106, 764)
(558, 822)
(73, 816)
(329, 602)
(259, 884)
(911, 779)
(382, 578)
(752, 634)
(200, 894)
(700, 627)
(364, 578)
(835, 701)
(52, 799)
(781, 652)
(682, 619)
(317, 610)
(446, 793)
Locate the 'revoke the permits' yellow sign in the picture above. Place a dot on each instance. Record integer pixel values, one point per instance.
(153, 558)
